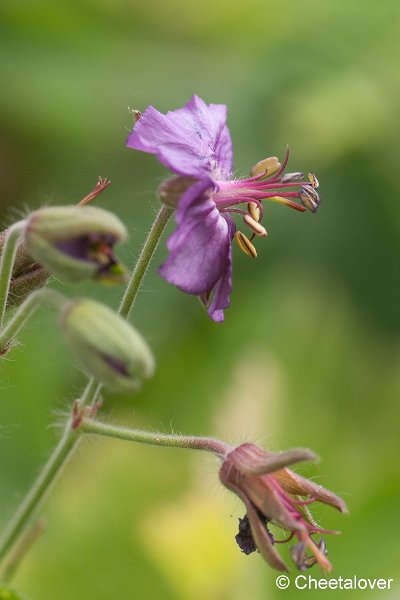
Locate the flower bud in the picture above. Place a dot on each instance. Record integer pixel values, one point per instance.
(108, 347)
(76, 242)
(172, 189)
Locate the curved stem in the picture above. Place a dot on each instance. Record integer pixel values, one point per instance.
(10, 246)
(38, 491)
(155, 438)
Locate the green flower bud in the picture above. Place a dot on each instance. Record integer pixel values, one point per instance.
(172, 189)
(108, 347)
(76, 242)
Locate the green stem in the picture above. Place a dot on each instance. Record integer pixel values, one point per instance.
(25, 542)
(25, 310)
(144, 259)
(67, 443)
(38, 491)
(9, 250)
(92, 426)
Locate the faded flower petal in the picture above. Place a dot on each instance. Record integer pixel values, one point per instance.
(296, 484)
(274, 498)
(261, 535)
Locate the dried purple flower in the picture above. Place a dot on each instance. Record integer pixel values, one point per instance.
(194, 142)
(276, 495)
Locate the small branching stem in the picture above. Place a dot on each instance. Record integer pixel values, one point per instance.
(95, 427)
(38, 492)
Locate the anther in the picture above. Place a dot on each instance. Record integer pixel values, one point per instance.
(256, 227)
(309, 198)
(269, 166)
(254, 210)
(245, 244)
(289, 177)
(136, 114)
(313, 180)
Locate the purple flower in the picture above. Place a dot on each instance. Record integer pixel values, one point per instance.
(194, 143)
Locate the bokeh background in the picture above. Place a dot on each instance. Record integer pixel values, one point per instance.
(309, 351)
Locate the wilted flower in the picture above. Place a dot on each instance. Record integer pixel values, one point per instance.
(275, 495)
(76, 242)
(194, 142)
(108, 347)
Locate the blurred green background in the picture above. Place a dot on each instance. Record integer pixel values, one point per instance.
(309, 351)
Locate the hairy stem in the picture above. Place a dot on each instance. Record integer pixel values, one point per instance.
(38, 491)
(143, 261)
(70, 437)
(25, 542)
(9, 250)
(95, 427)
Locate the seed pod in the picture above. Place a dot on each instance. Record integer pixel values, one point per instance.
(108, 347)
(172, 189)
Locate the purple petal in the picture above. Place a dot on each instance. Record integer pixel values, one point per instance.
(200, 245)
(193, 140)
(221, 298)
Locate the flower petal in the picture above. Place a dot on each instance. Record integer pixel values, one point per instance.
(221, 294)
(260, 533)
(200, 245)
(293, 483)
(264, 493)
(193, 140)
(269, 462)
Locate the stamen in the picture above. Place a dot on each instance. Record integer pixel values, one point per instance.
(136, 114)
(289, 177)
(245, 245)
(285, 162)
(268, 166)
(286, 202)
(285, 540)
(313, 180)
(309, 198)
(255, 226)
(254, 211)
(318, 554)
